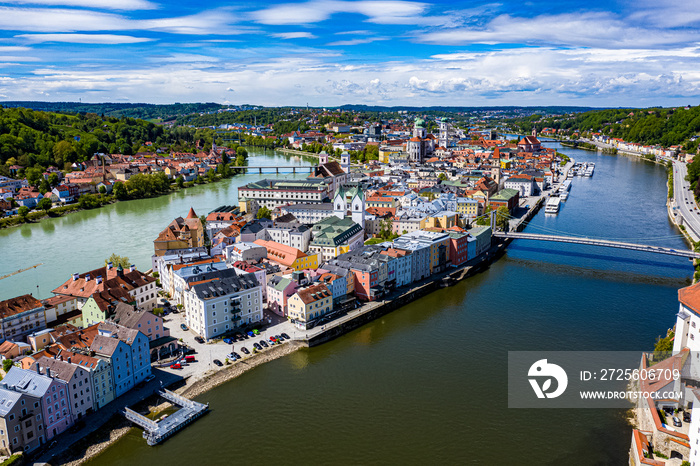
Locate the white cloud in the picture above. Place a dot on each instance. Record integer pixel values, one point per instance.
(82, 38)
(18, 58)
(363, 32)
(357, 41)
(72, 20)
(508, 77)
(13, 48)
(294, 35)
(578, 30)
(377, 11)
(125, 5)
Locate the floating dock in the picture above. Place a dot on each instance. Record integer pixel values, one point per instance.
(156, 431)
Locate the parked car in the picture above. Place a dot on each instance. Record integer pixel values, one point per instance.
(199, 340)
(279, 337)
(231, 357)
(183, 327)
(676, 422)
(251, 334)
(245, 350)
(273, 340)
(189, 358)
(149, 378)
(228, 341)
(237, 356)
(217, 362)
(257, 346)
(686, 416)
(263, 344)
(284, 335)
(177, 365)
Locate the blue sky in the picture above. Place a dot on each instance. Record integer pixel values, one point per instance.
(334, 52)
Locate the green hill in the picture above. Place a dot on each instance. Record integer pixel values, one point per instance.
(664, 126)
(34, 138)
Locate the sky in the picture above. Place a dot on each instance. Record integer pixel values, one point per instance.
(333, 52)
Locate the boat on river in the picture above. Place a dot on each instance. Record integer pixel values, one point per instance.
(552, 206)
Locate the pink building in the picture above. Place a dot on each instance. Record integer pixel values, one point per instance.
(52, 392)
(80, 392)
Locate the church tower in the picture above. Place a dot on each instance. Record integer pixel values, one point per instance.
(444, 131)
(358, 208)
(339, 203)
(345, 162)
(534, 131)
(322, 158)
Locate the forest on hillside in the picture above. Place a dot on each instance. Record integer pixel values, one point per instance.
(41, 139)
(663, 126)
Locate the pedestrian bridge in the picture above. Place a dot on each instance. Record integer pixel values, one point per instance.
(598, 242)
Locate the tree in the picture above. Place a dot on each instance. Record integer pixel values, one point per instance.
(103, 190)
(44, 186)
(199, 180)
(44, 204)
(118, 260)
(89, 201)
(502, 217)
(63, 152)
(485, 218)
(7, 365)
(442, 176)
(119, 191)
(264, 212)
(23, 211)
(34, 176)
(180, 181)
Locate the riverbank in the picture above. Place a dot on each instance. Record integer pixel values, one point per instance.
(198, 385)
(117, 427)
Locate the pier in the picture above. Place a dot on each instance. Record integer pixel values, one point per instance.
(156, 431)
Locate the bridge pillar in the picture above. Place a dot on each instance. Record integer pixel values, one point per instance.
(493, 220)
(260, 170)
(277, 170)
(294, 169)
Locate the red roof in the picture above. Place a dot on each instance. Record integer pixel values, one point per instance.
(191, 214)
(690, 297)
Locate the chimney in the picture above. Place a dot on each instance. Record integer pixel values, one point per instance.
(109, 265)
(48, 372)
(87, 277)
(132, 268)
(38, 368)
(68, 359)
(75, 276)
(99, 279)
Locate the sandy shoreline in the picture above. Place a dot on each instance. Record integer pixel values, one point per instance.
(193, 387)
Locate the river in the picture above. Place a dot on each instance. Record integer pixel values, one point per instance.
(427, 383)
(81, 241)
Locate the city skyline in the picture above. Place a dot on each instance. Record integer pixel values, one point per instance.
(350, 52)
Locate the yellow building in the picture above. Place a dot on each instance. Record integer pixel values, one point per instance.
(442, 220)
(288, 256)
(180, 234)
(505, 164)
(308, 304)
(468, 207)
